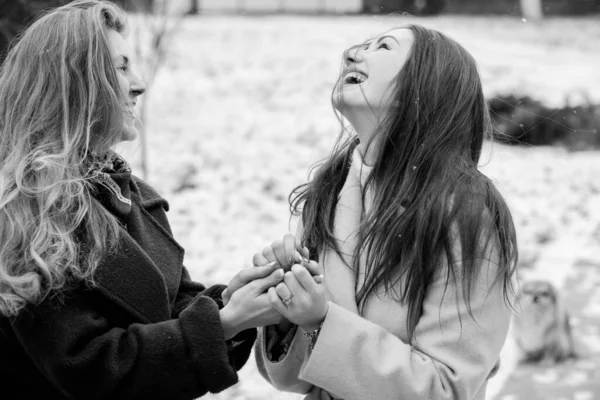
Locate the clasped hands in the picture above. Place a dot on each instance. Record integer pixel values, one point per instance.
(283, 287)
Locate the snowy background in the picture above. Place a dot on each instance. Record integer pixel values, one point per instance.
(241, 110)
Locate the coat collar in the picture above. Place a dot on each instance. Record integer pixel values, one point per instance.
(146, 195)
(143, 274)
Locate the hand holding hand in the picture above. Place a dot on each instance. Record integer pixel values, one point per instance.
(250, 307)
(305, 301)
(246, 276)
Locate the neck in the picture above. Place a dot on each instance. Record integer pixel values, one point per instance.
(365, 125)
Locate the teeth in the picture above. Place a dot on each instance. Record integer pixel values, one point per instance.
(355, 78)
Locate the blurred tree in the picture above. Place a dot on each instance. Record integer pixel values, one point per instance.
(388, 6)
(430, 7)
(531, 9)
(152, 33)
(194, 7)
(582, 7)
(422, 7)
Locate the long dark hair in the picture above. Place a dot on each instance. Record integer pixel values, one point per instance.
(427, 189)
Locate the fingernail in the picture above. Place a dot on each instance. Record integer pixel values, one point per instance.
(319, 278)
(279, 273)
(305, 263)
(298, 257)
(271, 264)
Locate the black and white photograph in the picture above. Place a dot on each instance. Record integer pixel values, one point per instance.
(300, 199)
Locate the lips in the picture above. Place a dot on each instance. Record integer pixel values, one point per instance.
(129, 107)
(354, 77)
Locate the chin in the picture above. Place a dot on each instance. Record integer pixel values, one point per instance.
(352, 100)
(129, 135)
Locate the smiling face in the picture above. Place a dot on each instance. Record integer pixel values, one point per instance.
(130, 84)
(369, 77)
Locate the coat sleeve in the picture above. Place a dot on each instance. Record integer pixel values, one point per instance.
(85, 354)
(451, 359)
(188, 290)
(283, 373)
(240, 346)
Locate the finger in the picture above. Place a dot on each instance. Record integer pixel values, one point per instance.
(318, 278)
(249, 274)
(259, 260)
(304, 278)
(303, 250)
(272, 280)
(292, 283)
(279, 252)
(283, 291)
(276, 302)
(313, 267)
(289, 246)
(269, 254)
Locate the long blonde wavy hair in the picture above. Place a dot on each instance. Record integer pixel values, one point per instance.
(59, 105)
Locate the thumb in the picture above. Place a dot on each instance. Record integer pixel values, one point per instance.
(225, 296)
(272, 280)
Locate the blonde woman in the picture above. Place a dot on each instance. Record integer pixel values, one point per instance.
(94, 300)
(417, 246)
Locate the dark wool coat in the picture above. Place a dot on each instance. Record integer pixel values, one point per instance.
(145, 331)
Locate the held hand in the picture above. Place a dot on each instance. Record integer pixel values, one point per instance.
(246, 276)
(305, 301)
(250, 307)
(285, 252)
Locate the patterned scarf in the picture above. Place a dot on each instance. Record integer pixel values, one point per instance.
(110, 176)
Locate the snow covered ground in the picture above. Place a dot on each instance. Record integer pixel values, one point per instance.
(241, 110)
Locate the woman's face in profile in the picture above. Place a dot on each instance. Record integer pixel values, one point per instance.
(369, 78)
(130, 84)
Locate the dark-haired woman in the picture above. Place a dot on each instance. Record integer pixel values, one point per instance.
(94, 300)
(417, 246)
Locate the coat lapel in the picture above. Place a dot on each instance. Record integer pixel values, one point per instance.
(143, 275)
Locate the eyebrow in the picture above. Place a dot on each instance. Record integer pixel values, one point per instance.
(381, 38)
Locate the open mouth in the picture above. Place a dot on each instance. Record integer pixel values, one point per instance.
(355, 78)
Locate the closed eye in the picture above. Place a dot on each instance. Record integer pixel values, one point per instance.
(383, 46)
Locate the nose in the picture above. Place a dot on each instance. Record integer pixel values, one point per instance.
(137, 86)
(353, 55)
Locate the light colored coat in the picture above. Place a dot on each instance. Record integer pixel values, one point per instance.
(361, 356)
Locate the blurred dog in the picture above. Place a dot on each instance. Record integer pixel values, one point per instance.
(541, 328)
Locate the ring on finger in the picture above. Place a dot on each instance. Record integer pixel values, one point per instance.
(288, 300)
